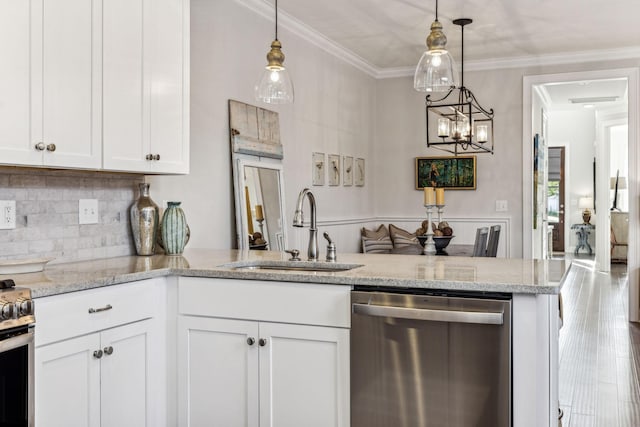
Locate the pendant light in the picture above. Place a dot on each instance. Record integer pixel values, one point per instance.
(456, 122)
(275, 86)
(436, 71)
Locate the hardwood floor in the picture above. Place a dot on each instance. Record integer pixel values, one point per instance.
(599, 350)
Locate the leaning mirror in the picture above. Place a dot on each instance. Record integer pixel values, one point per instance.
(258, 184)
(260, 218)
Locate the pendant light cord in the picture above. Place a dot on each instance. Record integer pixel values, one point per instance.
(436, 10)
(276, 19)
(462, 56)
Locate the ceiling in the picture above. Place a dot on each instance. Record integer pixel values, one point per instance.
(387, 37)
(391, 33)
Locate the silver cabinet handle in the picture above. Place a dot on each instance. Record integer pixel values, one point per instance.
(98, 310)
(251, 341)
(156, 157)
(108, 351)
(452, 316)
(51, 147)
(97, 354)
(262, 342)
(149, 157)
(40, 146)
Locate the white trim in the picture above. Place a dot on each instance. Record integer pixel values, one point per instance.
(302, 30)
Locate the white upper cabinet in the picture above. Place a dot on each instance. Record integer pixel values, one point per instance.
(50, 83)
(146, 86)
(95, 84)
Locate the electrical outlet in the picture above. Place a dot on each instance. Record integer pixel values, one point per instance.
(88, 211)
(502, 206)
(7, 214)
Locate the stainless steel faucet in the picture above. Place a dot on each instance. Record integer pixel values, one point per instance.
(313, 229)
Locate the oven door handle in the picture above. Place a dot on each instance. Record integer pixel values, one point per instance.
(427, 314)
(17, 341)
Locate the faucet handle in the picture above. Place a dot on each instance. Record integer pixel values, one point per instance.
(326, 236)
(294, 254)
(331, 248)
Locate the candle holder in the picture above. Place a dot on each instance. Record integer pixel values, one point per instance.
(261, 220)
(430, 245)
(440, 210)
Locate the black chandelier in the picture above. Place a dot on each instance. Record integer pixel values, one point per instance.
(462, 126)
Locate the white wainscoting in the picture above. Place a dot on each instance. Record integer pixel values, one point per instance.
(346, 233)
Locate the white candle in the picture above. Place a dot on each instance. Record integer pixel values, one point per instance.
(259, 214)
(440, 196)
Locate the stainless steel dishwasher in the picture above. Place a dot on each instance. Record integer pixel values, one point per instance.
(430, 360)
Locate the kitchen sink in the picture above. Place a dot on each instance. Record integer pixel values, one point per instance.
(291, 266)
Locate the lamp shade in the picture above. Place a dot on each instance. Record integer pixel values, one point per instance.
(622, 183)
(585, 202)
(436, 72)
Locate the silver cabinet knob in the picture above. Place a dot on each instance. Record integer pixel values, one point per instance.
(51, 147)
(251, 341)
(149, 157)
(262, 342)
(156, 157)
(97, 354)
(108, 350)
(40, 146)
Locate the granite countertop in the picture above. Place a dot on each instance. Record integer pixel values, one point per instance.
(403, 271)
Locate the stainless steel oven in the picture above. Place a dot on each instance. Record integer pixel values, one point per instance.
(430, 359)
(16, 356)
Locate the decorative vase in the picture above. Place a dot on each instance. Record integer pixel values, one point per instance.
(144, 222)
(174, 229)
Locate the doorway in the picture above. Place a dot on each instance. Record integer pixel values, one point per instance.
(601, 192)
(555, 197)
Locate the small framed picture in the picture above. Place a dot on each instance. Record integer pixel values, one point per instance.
(347, 173)
(334, 169)
(359, 172)
(317, 168)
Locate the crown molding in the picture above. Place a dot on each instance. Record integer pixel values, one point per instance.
(266, 10)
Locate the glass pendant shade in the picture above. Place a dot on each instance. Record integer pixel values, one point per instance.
(436, 72)
(275, 86)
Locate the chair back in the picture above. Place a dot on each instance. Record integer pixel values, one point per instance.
(494, 236)
(480, 245)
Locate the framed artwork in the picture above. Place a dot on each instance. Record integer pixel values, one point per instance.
(359, 172)
(334, 169)
(317, 168)
(452, 173)
(347, 174)
(254, 130)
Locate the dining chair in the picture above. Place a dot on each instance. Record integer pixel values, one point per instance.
(480, 245)
(492, 245)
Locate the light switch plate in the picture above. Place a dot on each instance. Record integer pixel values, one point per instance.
(88, 211)
(502, 206)
(7, 214)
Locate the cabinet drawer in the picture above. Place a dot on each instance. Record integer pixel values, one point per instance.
(302, 303)
(65, 316)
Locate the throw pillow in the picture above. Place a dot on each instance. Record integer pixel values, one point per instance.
(375, 234)
(382, 245)
(402, 238)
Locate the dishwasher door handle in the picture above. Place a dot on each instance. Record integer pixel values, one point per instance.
(452, 316)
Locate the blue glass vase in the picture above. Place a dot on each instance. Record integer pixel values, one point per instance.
(175, 231)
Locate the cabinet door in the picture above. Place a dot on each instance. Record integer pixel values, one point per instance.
(127, 388)
(304, 376)
(71, 83)
(67, 381)
(19, 62)
(218, 372)
(146, 75)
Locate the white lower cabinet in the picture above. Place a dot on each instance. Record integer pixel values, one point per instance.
(286, 366)
(96, 380)
(100, 357)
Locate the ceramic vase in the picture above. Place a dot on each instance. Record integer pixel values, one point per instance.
(175, 232)
(144, 222)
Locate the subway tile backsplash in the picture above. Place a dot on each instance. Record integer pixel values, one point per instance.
(47, 214)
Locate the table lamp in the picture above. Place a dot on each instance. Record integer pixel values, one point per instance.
(586, 203)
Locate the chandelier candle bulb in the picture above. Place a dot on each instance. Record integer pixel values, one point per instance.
(443, 127)
(429, 196)
(481, 133)
(440, 196)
